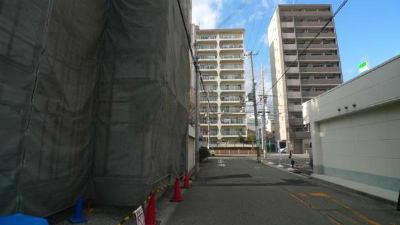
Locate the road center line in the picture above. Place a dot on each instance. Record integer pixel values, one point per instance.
(316, 209)
(361, 216)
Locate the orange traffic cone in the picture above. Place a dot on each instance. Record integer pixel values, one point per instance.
(186, 183)
(297, 168)
(151, 211)
(177, 192)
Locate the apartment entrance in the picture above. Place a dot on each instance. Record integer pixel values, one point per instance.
(298, 146)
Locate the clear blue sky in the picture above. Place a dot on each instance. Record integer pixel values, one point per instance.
(366, 29)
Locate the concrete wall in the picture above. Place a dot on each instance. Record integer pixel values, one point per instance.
(358, 147)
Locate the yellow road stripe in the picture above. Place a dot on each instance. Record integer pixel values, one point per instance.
(361, 216)
(315, 208)
(303, 195)
(320, 195)
(348, 218)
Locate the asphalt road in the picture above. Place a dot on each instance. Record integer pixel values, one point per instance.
(302, 160)
(238, 190)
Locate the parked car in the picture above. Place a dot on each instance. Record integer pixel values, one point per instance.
(283, 150)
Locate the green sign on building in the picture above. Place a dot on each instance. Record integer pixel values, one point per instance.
(364, 66)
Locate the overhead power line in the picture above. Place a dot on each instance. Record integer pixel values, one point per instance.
(233, 13)
(254, 21)
(304, 51)
(258, 30)
(191, 51)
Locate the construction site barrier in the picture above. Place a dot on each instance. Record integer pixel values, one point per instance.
(132, 215)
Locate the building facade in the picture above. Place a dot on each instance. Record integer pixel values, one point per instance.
(291, 30)
(220, 55)
(355, 132)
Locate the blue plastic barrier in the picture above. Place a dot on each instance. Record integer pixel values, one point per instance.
(21, 219)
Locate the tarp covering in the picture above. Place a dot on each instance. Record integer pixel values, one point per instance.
(93, 101)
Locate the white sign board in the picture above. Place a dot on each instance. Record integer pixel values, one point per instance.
(139, 216)
(364, 66)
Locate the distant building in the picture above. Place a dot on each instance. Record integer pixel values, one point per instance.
(220, 54)
(291, 29)
(271, 127)
(251, 122)
(355, 132)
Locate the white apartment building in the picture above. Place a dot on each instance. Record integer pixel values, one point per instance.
(220, 55)
(291, 30)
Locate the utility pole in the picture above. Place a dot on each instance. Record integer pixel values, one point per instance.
(255, 106)
(263, 113)
(208, 121)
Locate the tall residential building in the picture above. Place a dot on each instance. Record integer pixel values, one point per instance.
(291, 29)
(220, 54)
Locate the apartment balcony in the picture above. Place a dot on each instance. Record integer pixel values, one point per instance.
(296, 121)
(287, 24)
(300, 135)
(233, 133)
(232, 47)
(318, 46)
(233, 111)
(204, 111)
(294, 94)
(211, 98)
(334, 69)
(290, 58)
(206, 47)
(213, 133)
(312, 35)
(295, 108)
(292, 70)
(326, 14)
(209, 87)
(231, 57)
(232, 66)
(231, 77)
(232, 88)
(292, 82)
(208, 90)
(235, 99)
(289, 47)
(208, 67)
(209, 78)
(207, 58)
(312, 94)
(231, 37)
(319, 58)
(226, 121)
(322, 82)
(206, 37)
(288, 35)
(313, 24)
(204, 122)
